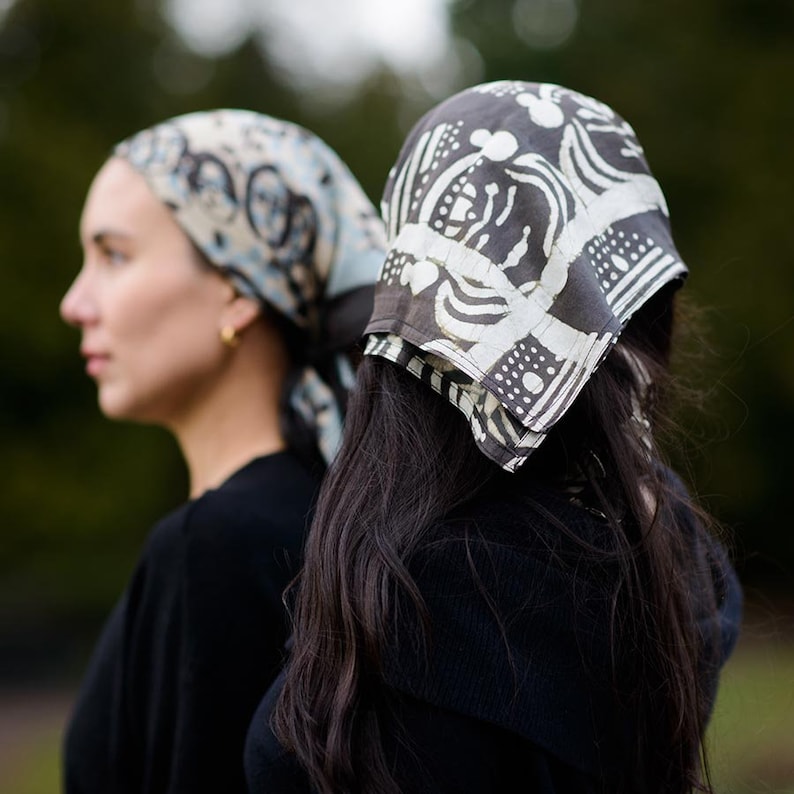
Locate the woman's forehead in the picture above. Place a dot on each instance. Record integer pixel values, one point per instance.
(120, 202)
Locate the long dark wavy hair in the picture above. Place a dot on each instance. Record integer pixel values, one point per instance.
(407, 460)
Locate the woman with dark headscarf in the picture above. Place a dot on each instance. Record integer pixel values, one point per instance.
(505, 586)
(229, 259)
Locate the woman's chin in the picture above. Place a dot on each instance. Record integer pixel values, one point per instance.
(115, 407)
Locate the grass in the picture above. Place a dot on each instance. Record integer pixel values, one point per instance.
(34, 767)
(751, 737)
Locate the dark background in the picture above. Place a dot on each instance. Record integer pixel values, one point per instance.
(707, 84)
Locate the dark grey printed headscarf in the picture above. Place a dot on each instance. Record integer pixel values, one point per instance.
(525, 228)
(277, 211)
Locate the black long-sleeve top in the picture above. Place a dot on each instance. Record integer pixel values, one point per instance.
(516, 693)
(193, 642)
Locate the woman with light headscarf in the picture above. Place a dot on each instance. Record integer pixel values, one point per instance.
(229, 259)
(505, 586)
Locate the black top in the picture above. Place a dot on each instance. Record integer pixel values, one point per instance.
(194, 641)
(517, 684)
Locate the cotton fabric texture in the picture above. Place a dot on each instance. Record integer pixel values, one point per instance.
(525, 228)
(276, 210)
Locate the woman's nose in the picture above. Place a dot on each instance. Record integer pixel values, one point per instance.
(77, 305)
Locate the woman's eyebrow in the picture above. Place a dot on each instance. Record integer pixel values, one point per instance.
(104, 235)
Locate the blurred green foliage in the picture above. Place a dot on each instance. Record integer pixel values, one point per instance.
(708, 88)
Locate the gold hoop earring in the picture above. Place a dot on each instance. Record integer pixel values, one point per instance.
(229, 336)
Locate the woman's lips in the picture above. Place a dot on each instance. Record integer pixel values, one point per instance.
(95, 363)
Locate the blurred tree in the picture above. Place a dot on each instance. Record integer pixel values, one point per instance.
(705, 84)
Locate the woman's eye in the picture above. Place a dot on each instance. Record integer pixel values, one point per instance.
(112, 256)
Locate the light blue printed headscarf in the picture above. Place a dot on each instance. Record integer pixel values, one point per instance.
(277, 211)
(525, 229)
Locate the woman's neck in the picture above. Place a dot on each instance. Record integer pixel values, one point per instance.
(222, 435)
(212, 461)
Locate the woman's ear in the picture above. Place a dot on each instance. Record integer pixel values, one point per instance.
(240, 312)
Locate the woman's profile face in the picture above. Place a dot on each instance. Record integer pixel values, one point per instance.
(149, 313)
